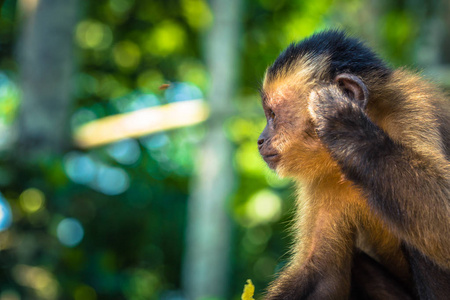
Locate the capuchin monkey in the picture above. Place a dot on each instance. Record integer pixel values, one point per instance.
(369, 148)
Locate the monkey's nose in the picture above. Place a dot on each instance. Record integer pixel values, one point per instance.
(260, 142)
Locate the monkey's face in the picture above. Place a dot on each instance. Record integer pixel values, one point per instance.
(289, 143)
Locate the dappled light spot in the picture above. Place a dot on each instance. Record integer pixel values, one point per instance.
(135, 101)
(80, 167)
(248, 159)
(263, 207)
(166, 38)
(92, 34)
(143, 284)
(82, 116)
(259, 235)
(144, 101)
(37, 278)
(240, 129)
(111, 180)
(121, 6)
(194, 71)
(127, 54)
(70, 232)
(84, 292)
(111, 86)
(255, 239)
(302, 23)
(9, 103)
(163, 159)
(32, 200)
(197, 13)
(126, 152)
(155, 141)
(274, 180)
(181, 91)
(5, 214)
(150, 80)
(9, 98)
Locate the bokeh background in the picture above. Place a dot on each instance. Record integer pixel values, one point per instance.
(114, 188)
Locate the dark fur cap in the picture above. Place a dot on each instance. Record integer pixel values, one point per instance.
(347, 54)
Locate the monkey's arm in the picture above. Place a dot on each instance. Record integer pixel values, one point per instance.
(321, 265)
(408, 190)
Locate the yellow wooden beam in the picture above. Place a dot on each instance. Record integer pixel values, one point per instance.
(139, 123)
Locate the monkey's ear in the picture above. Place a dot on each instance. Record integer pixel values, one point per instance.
(354, 88)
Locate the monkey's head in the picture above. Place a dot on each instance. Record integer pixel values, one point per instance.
(289, 143)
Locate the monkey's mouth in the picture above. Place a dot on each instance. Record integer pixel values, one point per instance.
(271, 159)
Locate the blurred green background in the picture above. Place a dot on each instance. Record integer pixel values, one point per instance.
(185, 211)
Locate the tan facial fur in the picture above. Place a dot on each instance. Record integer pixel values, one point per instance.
(302, 156)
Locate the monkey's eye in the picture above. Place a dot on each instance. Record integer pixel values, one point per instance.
(271, 114)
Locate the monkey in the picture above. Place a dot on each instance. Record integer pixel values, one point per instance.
(368, 147)
(371, 281)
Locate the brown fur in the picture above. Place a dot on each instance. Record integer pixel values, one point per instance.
(334, 216)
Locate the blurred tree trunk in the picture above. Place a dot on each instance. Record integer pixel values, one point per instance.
(45, 54)
(428, 52)
(433, 39)
(206, 268)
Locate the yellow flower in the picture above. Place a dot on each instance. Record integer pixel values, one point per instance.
(249, 291)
